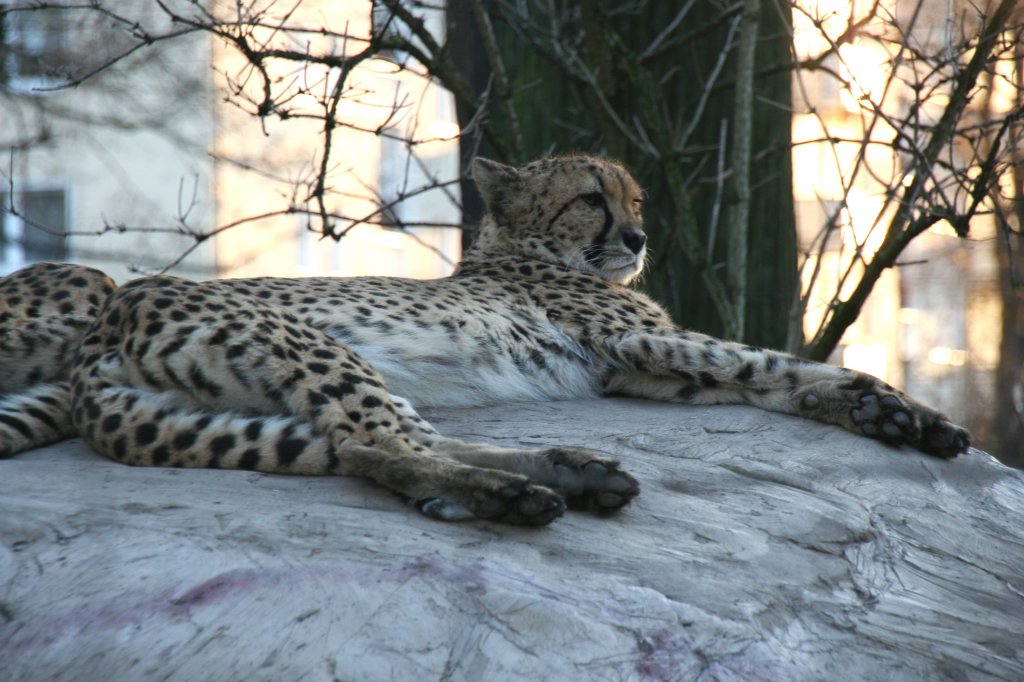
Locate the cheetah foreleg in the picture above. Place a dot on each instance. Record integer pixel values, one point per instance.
(700, 370)
(865, 405)
(586, 479)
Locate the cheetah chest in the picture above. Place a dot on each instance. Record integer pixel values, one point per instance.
(472, 359)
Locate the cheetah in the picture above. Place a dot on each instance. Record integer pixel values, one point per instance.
(320, 375)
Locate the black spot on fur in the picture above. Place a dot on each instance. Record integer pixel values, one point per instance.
(250, 459)
(111, 423)
(746, 372)
(289, 449)
(220, 445)
(160, 456)
(339, 391)
(688, 392)
(859, 383)
(145, 434)
(184, 440)
(707, 380)
(253, 430)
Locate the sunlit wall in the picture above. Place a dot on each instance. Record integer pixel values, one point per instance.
(398, 135)
(932, 323)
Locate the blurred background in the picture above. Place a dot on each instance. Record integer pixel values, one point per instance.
(841, 180)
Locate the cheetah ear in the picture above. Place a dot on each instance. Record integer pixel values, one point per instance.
(493, 180)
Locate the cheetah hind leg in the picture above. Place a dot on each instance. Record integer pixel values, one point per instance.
(586, 480)
(450, 491)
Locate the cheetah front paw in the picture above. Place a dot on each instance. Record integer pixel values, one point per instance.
(893, 420)
(519, 503)
(886, 418)
(514, 501)
(591, 482)
(942, 438)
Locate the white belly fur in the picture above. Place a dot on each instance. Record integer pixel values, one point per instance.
(429, 370)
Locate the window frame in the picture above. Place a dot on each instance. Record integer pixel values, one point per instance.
(12, 227)
(13, 54)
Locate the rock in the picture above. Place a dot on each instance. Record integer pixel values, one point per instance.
(761, 547)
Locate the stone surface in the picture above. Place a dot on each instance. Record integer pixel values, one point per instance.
(761, 547)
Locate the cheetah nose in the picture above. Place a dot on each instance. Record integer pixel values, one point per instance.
(634, 240)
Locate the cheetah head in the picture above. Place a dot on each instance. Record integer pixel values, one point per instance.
(577, 211)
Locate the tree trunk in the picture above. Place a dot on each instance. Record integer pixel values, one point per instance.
(634, 109)
(463, 40)
(772, 277)
(1008, 429)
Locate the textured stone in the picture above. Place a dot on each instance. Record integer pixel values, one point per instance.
(761, 547)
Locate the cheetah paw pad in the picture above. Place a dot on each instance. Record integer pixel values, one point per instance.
(598, 486)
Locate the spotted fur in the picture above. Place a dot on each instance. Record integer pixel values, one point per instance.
(304, 376)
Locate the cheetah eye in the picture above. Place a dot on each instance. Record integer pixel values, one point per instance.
(593, 199)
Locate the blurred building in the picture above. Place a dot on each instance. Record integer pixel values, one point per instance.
(160, 159)
(932, 323)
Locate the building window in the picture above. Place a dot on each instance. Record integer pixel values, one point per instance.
(35, 231)
(33, 49)
(386, 26)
